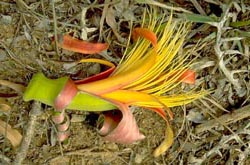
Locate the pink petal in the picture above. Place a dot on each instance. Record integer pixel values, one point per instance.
(65, 96)
(120, 127)
(62, 127)
(58, 118)
(61, 136)
(62, 124)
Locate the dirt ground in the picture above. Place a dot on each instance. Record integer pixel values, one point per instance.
(213, 130)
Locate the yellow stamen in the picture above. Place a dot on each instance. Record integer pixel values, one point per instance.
(100, 61)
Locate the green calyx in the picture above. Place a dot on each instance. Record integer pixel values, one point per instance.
(46, 91)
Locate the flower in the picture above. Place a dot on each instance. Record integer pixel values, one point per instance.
(149, 76)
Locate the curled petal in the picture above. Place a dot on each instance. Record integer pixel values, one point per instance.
(65, 96)
(136, 98)
(58, 117)
(65, 125)
(61, 136)
(120, 127)
(145, 33)
(111, 120)
(62, 125)
(69, 43)
(188, 77)
(98, 76)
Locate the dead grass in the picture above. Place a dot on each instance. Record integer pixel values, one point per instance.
(222, 66)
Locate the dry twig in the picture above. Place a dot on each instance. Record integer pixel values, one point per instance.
(233, 117)
(22, 152)
(219, 41)
(55, 27)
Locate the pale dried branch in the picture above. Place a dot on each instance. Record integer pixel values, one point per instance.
(220, 53)
(198, 7)
(244, 155)
(55, 26)
(162, 5)
(23, 149)
(233, 117)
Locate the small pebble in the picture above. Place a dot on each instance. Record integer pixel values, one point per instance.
(138, 158)
(112, 147)
(6, 19)
(77, 118)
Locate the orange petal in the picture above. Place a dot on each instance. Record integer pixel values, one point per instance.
(145, 33)
(118, 81)
(136, 98)
(69, 43)
(188, 77)
(130, 97)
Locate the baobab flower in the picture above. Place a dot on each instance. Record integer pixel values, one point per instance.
(145, 77)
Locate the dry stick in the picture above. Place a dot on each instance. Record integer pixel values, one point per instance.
(104, 13)
(235, 116)
(198, 7)
(55, 26)
(23, 149)
(164, 6)
(90, 152)
(217, 47)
